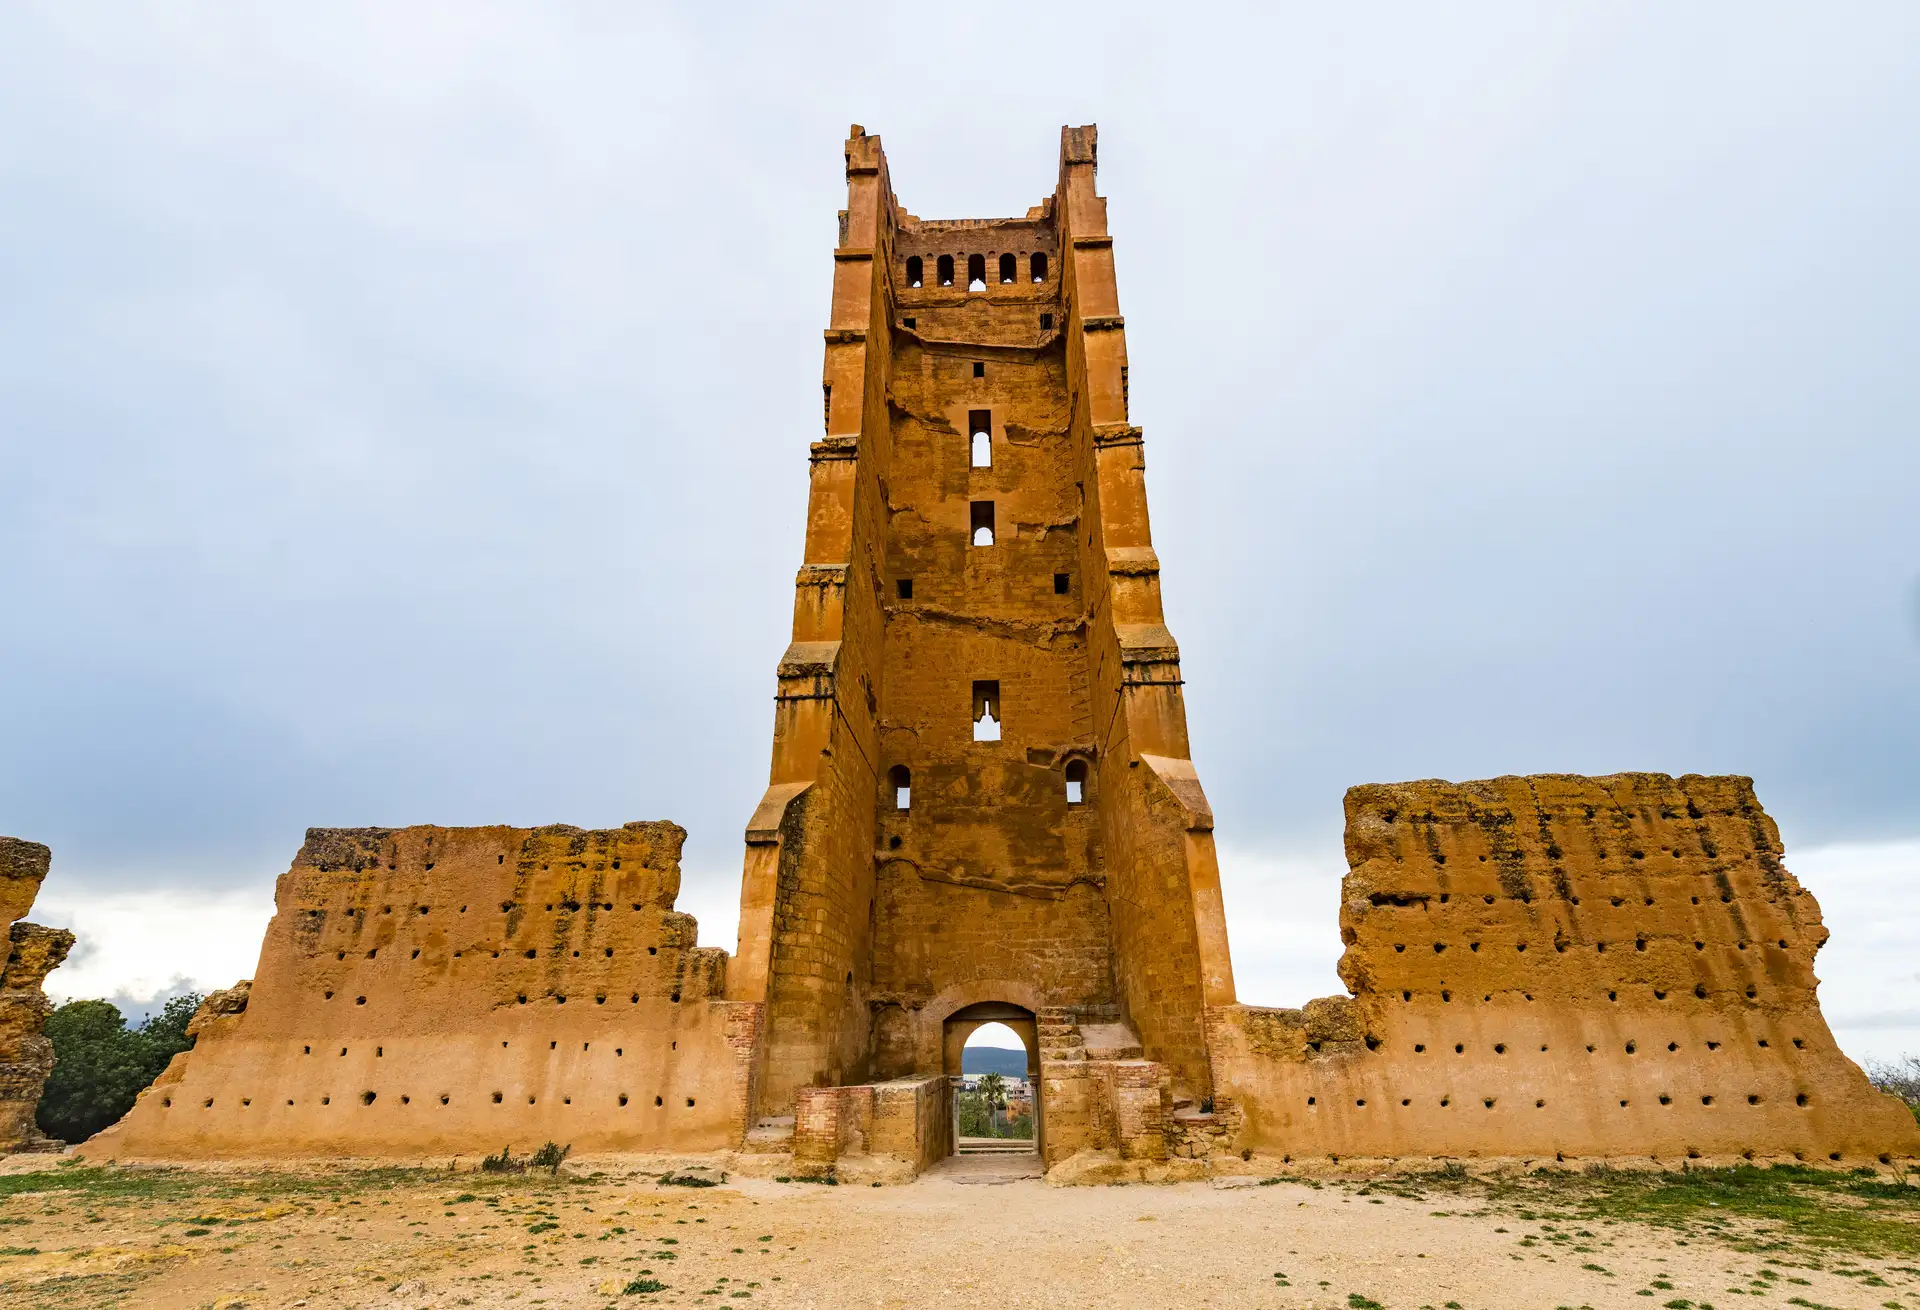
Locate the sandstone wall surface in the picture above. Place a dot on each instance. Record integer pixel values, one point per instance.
(449, 991)
(991, 880)
(1561, 966)
(26, 1056)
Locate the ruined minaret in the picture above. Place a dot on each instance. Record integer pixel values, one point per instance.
(981, 804)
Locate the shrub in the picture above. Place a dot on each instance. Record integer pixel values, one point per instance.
(100, 1065)
(503, 1163)
(1899, 1078)
(549, 1156)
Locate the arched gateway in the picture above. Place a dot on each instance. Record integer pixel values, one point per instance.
(961, 1026)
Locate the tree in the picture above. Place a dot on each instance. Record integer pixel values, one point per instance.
(100, 1065)
(993, 1090)
(1899, 1078)
(976, 1116)
(166, 1031)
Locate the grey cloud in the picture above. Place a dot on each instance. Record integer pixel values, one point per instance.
(404, 412)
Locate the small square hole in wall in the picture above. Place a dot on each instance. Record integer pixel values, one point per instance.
(1062, 583)
(979, 369)
(1046, 323)
(903, 588)
(911, 323)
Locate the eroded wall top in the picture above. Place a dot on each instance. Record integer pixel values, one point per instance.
(1634, 889)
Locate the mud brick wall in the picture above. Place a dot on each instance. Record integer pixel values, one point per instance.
(1562, 966)
(829, 1122)
(448, 991)
(1138, 1091)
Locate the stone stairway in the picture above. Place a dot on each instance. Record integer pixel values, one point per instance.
(1060, 1037)
(770, 1136)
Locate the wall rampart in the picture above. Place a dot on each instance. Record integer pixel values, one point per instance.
(1561, 966)
(448, 991)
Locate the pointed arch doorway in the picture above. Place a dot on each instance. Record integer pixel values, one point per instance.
(961, 1025)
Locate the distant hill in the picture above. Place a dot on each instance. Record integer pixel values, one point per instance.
(991, 1059)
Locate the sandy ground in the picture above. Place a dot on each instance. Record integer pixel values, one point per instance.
(433, 1239)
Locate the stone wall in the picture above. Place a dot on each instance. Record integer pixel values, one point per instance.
(449, 991)
(892, 1129)
(26, 1056)
(989, 874)
(1563, 967)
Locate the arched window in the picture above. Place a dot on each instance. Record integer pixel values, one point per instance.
(1008, 267)
(900, 778)
(1039, 266)
(914, 267)
(1076, 781)
(944, 267)
(986, 710)
(980, 427)
(980, 523)
(976, 272)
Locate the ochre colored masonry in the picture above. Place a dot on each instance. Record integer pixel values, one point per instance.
(431, 990)
(981, 807)
(1561, 966)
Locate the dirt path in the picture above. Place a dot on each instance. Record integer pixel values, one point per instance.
(416, 1238)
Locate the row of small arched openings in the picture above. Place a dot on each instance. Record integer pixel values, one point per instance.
(945, 266)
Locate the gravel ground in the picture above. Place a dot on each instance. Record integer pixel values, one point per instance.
(415, 1238)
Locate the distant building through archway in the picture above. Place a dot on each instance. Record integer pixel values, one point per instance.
(993, 1038)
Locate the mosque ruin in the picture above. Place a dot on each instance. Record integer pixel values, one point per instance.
(982, 807)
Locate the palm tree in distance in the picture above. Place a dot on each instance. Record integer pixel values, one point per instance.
(993, 1090)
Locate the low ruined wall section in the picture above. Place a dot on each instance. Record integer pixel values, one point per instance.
(906, 1121)
(1561, 966)
(454, 990)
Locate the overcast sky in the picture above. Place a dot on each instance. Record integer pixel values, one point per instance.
(404, 412)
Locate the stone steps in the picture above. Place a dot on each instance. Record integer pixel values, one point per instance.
(1059, 1036)
(994, 1146)
(770, 1136)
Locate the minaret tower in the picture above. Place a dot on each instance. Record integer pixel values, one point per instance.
(981, 804)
